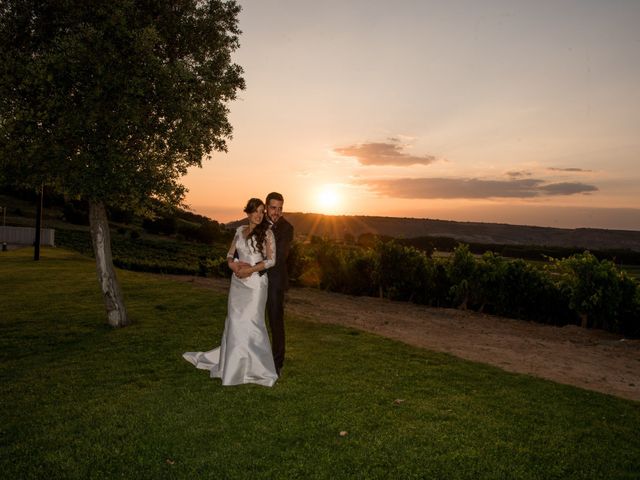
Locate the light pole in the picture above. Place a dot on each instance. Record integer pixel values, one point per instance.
(4, 229)
(36, 252)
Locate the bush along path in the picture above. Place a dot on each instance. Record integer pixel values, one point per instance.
(578, 290)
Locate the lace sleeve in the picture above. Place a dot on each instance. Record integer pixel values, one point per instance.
(270, 250)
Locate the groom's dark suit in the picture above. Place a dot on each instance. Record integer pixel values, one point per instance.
(278, 284)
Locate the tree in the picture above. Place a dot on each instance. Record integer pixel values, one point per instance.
(602, 295)
(110, 101)
(462, 269)
(402, 273)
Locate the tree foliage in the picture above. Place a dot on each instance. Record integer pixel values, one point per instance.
(113, 100)
(603, 296)
(110, 101)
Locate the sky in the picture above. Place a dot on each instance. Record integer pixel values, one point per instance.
(521, 112)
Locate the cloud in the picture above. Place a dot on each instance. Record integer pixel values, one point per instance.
(381, 153)
(570, 169)
(520, 173)
(567, 188)
(472, 188)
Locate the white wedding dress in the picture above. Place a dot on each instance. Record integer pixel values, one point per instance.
(244, 355)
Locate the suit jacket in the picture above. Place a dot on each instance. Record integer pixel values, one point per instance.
(283, 232)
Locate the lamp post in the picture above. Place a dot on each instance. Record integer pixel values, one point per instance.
(36, 252)
(4, 229)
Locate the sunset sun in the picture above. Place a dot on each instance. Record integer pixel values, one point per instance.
(328, 199)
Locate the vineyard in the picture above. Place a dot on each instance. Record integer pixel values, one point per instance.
(579, 289)
(157, 256)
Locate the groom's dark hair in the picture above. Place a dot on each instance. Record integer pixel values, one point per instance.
(274, 196)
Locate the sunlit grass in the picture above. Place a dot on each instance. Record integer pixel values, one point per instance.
(80, 400)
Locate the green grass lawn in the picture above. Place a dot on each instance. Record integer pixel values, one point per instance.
(80, 400)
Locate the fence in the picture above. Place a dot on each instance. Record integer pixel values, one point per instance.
(26, 236)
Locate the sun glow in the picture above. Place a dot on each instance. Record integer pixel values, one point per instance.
(328, 200)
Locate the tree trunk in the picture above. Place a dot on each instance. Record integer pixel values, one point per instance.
(101, 240)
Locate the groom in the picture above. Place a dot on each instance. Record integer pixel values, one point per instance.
(278, 277)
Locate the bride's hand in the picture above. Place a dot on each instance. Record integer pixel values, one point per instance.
(244, 271)
(237, 265)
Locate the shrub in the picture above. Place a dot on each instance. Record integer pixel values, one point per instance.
(529, 293)
(298, 261)
(461, 269)
(333, 274)
(602, 295)
(402, 272)
(628, 322)
(214, 267)
(360, 267)
(489, 275)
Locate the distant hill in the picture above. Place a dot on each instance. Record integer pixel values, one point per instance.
(337, 226)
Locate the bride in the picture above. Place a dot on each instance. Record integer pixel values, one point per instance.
(244, 354)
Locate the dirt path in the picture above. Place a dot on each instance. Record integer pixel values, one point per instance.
(590, 359)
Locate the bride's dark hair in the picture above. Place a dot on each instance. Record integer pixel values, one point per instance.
(259, 233)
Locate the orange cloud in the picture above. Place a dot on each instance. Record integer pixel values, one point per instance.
(570, 169)
(472, 188)
(381, 153)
